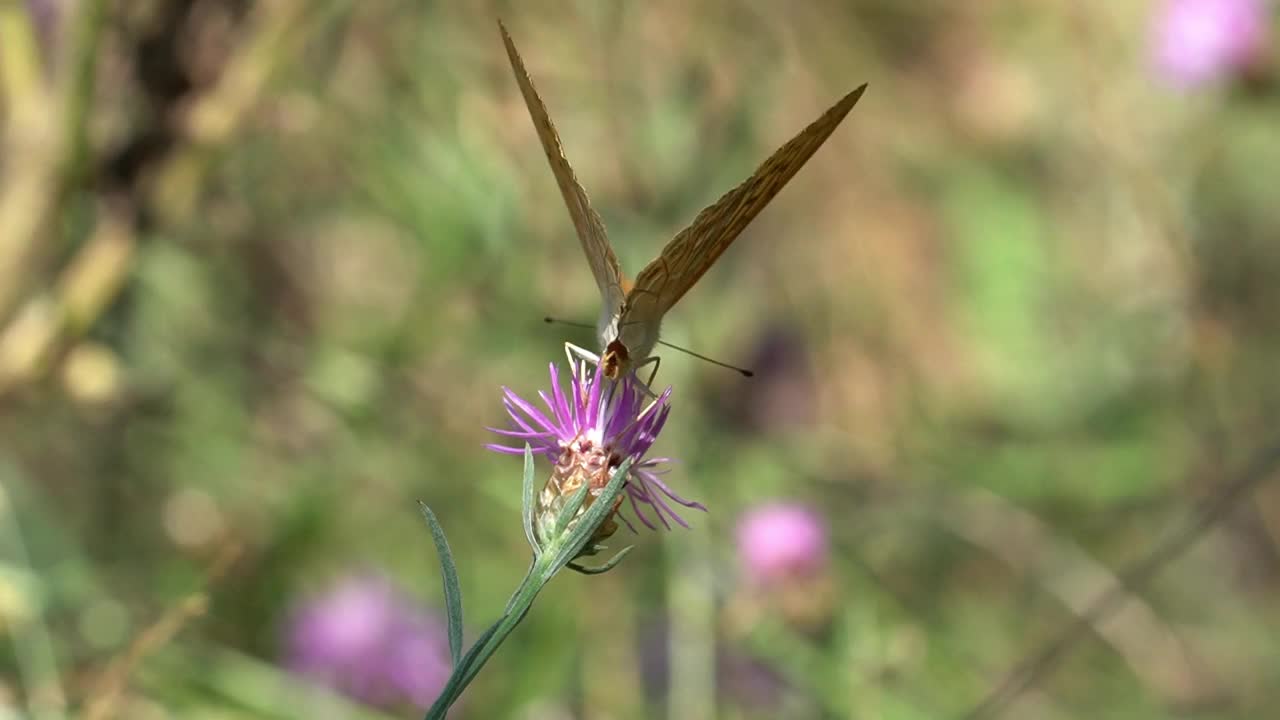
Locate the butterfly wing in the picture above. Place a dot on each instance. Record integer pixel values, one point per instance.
(691, 252)
(591, 233)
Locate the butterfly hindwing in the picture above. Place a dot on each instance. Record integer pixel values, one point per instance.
(693, 250)
(590, 228)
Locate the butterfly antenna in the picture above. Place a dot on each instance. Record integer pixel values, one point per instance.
(557, 321)
(741, 371)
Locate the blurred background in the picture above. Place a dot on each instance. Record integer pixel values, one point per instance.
(265, 266)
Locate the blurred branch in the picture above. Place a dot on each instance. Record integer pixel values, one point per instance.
(1151, 648)
(86, 288)
(19, 57)
(96, 273)
(90, 283)
(104, 701)
(76, 80)
(1036, 668)
(30, 149)
(219, 114)
(33, 148)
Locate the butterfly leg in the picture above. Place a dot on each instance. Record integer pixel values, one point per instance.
(655, 361)
(574, 353)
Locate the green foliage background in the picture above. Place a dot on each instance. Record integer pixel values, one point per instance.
(1013, 323)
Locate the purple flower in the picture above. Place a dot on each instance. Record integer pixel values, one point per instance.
(1198, 41)
(778, 541)
(370, 642)
(590, 431)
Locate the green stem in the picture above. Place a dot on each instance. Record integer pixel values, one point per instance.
(517, 608)
(547, 561)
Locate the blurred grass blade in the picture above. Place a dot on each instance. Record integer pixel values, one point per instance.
(613, 562)
(591, 519)
(452, 592)
(526, 503)
(34, 653)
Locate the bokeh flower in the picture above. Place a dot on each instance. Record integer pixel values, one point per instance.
(1199, 41)
(780, 540)
(588, 432)
(370, 642)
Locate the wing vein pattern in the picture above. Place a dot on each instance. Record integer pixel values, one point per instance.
(587, 222)
(693, 250)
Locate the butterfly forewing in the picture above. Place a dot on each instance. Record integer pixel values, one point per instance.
(670, 275)
(591, 232)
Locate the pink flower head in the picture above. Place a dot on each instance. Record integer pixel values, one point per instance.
(618, 420)
(1199, 41)
(780, 540)
(368, 641)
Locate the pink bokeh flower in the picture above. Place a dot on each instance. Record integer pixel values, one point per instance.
(781, 540)
(1199, 41)
(368, 641)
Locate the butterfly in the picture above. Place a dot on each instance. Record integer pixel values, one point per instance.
(632, 312)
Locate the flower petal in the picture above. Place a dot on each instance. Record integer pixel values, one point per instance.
(592, 419)
(562, 408)
(635, 508)
(652, 478)
(521, 433)
(532, 412)
(504, 449)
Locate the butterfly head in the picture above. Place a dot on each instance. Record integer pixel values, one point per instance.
(616, 360)
(628, 338)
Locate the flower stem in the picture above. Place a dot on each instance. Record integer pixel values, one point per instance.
(548, 560)
(540, 572)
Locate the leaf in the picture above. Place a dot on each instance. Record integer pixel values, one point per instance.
(611, 564)
(526, 512)
(452, 592)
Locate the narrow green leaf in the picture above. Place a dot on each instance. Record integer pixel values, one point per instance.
(613, 562)
(591, 519)
(452, 592)
(526, 513)
(571, 508)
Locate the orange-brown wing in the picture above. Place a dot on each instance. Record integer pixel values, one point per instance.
(670, 275)
(591, 233)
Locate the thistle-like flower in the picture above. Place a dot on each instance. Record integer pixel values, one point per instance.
(586, 435)
(371, 642)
